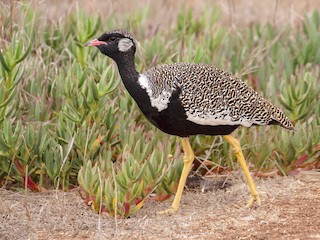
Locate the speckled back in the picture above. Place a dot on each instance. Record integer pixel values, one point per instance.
(211, 96)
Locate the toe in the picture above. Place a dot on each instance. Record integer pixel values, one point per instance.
(254, 199)
(169, 211)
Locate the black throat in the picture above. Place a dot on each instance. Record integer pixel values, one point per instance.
(127, 70)
(130, 78)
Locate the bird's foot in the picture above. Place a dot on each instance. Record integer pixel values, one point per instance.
(253, 199)
(169, 211)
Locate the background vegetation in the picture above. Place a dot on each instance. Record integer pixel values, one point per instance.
(66, 120)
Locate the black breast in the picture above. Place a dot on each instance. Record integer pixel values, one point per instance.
(173, 119)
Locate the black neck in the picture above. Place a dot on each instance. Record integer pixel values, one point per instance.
(127, 69)
(130, 77)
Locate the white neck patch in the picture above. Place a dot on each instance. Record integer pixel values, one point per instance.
(161, 101)
(125, 44)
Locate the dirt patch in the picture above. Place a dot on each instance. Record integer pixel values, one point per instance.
(290, 210)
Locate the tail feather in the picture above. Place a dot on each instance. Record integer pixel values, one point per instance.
(278, 117)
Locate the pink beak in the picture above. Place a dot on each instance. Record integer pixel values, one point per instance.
(95, 42)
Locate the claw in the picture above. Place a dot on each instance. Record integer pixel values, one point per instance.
(187, 164)
(238, 152)
(169, 211)
(252, 200)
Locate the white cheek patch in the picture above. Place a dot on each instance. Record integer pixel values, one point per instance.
(125, 44)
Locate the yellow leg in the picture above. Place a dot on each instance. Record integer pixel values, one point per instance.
(187, 164)
(238, 152)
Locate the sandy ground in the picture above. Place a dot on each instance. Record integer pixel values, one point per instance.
(289, 210)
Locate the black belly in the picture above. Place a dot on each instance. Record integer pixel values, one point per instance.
(186, 128)
(173, 120)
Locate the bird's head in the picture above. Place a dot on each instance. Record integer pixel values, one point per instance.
(115, 43)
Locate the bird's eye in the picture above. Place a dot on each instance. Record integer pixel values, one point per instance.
(113, 39)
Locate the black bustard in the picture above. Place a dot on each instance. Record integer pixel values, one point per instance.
(185, 99)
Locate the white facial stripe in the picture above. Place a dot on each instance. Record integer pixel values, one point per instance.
(125, 44)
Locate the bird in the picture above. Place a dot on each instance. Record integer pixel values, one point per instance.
(186, 99)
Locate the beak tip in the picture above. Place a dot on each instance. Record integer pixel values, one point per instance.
(90, 43)
(94, 42)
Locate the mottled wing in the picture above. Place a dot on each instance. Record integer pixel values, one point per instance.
(210, 96)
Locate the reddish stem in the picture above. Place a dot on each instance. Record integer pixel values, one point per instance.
(30, 183)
